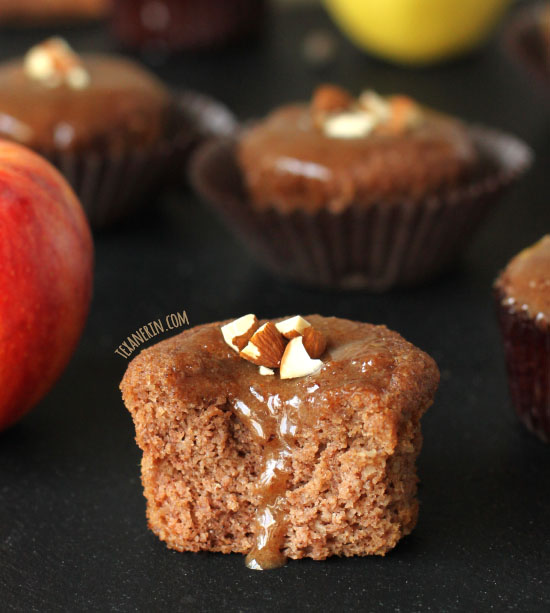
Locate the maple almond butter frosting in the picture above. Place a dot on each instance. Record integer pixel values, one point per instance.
(54, 99)
(338, 150)
(525, 282)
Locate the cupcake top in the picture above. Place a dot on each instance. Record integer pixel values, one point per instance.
(338, 150)
(219, 359)
(525, 282)
(53, 99)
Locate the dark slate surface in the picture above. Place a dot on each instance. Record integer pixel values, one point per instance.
(72, 527)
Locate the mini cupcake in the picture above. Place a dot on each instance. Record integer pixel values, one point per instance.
(528, 38)
(109, 125)
(371, 192)
(522, 293)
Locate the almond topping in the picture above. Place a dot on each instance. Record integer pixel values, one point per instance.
(292, 327)
(377, 105)
(352, 124)
(53, 63)
(330, 99)
(241, 340)
(237, 333)
(265, 347)
(404, 113)
(296, 361)
(314, 342)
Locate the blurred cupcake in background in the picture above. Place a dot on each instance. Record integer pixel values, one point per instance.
(416, 32)
(109, 125)
(370, 192)
(528, 40)
(167, 26)
(522, 293)
(51, 12)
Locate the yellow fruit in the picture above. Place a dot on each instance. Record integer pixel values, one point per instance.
(416, 31)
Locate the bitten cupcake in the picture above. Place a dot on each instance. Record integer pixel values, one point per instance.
(289, 438)
(368, 192)
(109, 125)
(522, 293)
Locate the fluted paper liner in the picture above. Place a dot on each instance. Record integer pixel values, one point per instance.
(373, 246)
(113, 186)
(527, 352)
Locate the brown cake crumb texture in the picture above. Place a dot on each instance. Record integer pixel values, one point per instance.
(354, 427)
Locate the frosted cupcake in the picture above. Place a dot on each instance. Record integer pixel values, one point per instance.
(349, 192)
(522, 294)
(110, 125)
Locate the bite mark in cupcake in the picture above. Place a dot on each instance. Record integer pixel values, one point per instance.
(235, 460)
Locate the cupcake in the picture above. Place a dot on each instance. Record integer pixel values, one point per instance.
(109, 125)
(290, 438)
(522, 293)
(528, 39)
(39, 12)
(369, 192)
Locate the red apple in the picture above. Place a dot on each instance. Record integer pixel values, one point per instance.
(46, 268)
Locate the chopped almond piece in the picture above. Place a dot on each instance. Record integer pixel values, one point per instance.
(315, 342)
(237, 333)
(266, 371)
(296, 361)
(404, 112)
(331, 99)
(292, 327)
(265, 347)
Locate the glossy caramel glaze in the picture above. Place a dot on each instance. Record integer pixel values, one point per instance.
(360, 359)
(289, 164)
(124, 106)
(525, 283)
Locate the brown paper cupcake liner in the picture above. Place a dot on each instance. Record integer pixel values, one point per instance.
(375, 246)
(209, 117)
(525, 42)
(527, 353)
(112, 187)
